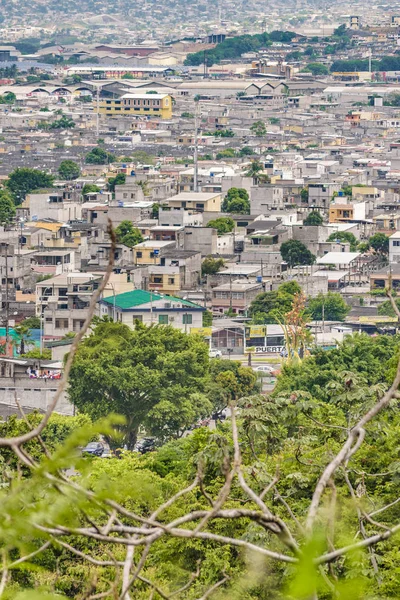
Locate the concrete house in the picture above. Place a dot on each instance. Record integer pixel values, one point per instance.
(152, 308)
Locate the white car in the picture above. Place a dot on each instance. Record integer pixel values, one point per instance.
(264, 369)
(215, 354)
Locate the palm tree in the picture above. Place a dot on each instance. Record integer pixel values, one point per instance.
(24, 337)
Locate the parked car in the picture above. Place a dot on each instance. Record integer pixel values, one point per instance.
(145, 445)
(264, 369)
(94, 449)
(215, 354)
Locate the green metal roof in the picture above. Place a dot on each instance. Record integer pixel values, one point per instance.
(138, 297)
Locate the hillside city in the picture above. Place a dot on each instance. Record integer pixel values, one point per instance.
(199, 231)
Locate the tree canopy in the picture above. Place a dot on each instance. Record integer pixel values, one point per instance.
(119, 179)
(330, 306)
(222, 225)
(344, 236)
(7, 208)
(296, 253)
(211, 266)
(69, 169)
(128, 235)
(258, 128)
(24, 180)
(236, 201)
(380, 243)
(313, 218)
(99, 156)
(234, 47)
(271, 307)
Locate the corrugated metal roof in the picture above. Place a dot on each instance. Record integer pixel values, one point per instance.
(138, 297)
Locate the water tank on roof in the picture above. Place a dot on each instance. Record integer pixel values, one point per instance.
(259, 279)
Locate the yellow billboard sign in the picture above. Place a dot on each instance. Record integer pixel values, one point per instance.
(372, 320)
(256, 331)
(204, 331)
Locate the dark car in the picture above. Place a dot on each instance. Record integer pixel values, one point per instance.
(145, 445)
(94, 449)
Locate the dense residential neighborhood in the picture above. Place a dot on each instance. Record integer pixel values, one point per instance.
(199, 279)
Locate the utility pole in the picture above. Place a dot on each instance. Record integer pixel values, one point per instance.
(97, 112)
(196, 148)
(7, 307)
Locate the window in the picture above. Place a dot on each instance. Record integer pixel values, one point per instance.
(49, 319)
(61, 323)
(187, 319)
(396, 242)
(137, 318)
(171, 280)
(163, 319)
(139, 254)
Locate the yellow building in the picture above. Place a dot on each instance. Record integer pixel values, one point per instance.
(198, 201)
(166, 280)
(153, 105)
(148, 252)
(341, 213)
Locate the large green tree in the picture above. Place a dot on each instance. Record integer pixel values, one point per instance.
(271, 307)
(211, 266)
(380, 243)
(313, 218)
(24, 180)
(222, 225)
(7, 207)
(119, 179)
(128, 235)
(69, 169)
(344, 236)
(99, 156)
(330, 306)
(135, 372)
(236, 201)
(295, 253)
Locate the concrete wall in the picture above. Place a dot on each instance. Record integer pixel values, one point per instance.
(201, 239)
(264, 198)
(33, 394)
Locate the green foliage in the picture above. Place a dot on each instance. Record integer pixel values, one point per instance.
(255, 168)
(32, 322)
(211, 266)
(316, 69)
(227, 153)
(222, 225)
(304, 194)
(236, 201)
(330, 306)
(380, 243)
(363, 247)
(117, 180)
(313, 218)
(386, 308)
(296, 253)
(90, 188)
(133, 372)
(344, 236)
(207, 318)
(258, 128)
(369, 357)
(24, 180)
(8, 98)
(7, 207)
(271, 307)
(246, 151)
(69, 169)
(99, 156)
(36, 353)
(128, 235)
(63, 123)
